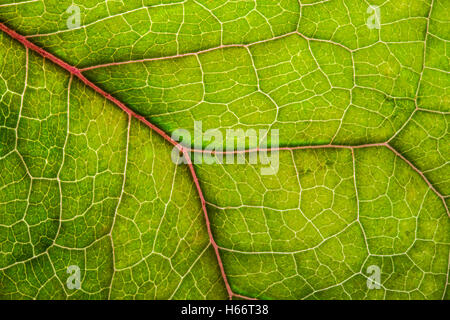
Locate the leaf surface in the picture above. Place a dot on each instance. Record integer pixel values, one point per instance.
(87, 178)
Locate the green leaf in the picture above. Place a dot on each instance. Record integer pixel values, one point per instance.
(87, 177)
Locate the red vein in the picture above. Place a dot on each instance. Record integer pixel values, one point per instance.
(223, 46)
(331, 146)
(208, 224)
(187, 54)
(244, 297)
(77, 73)
(323, 146)
(430, 185)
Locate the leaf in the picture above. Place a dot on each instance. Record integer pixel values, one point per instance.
(87, 178)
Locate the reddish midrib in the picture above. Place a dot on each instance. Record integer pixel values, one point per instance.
(77, 73)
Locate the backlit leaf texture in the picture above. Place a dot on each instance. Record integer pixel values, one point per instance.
(87, 179)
